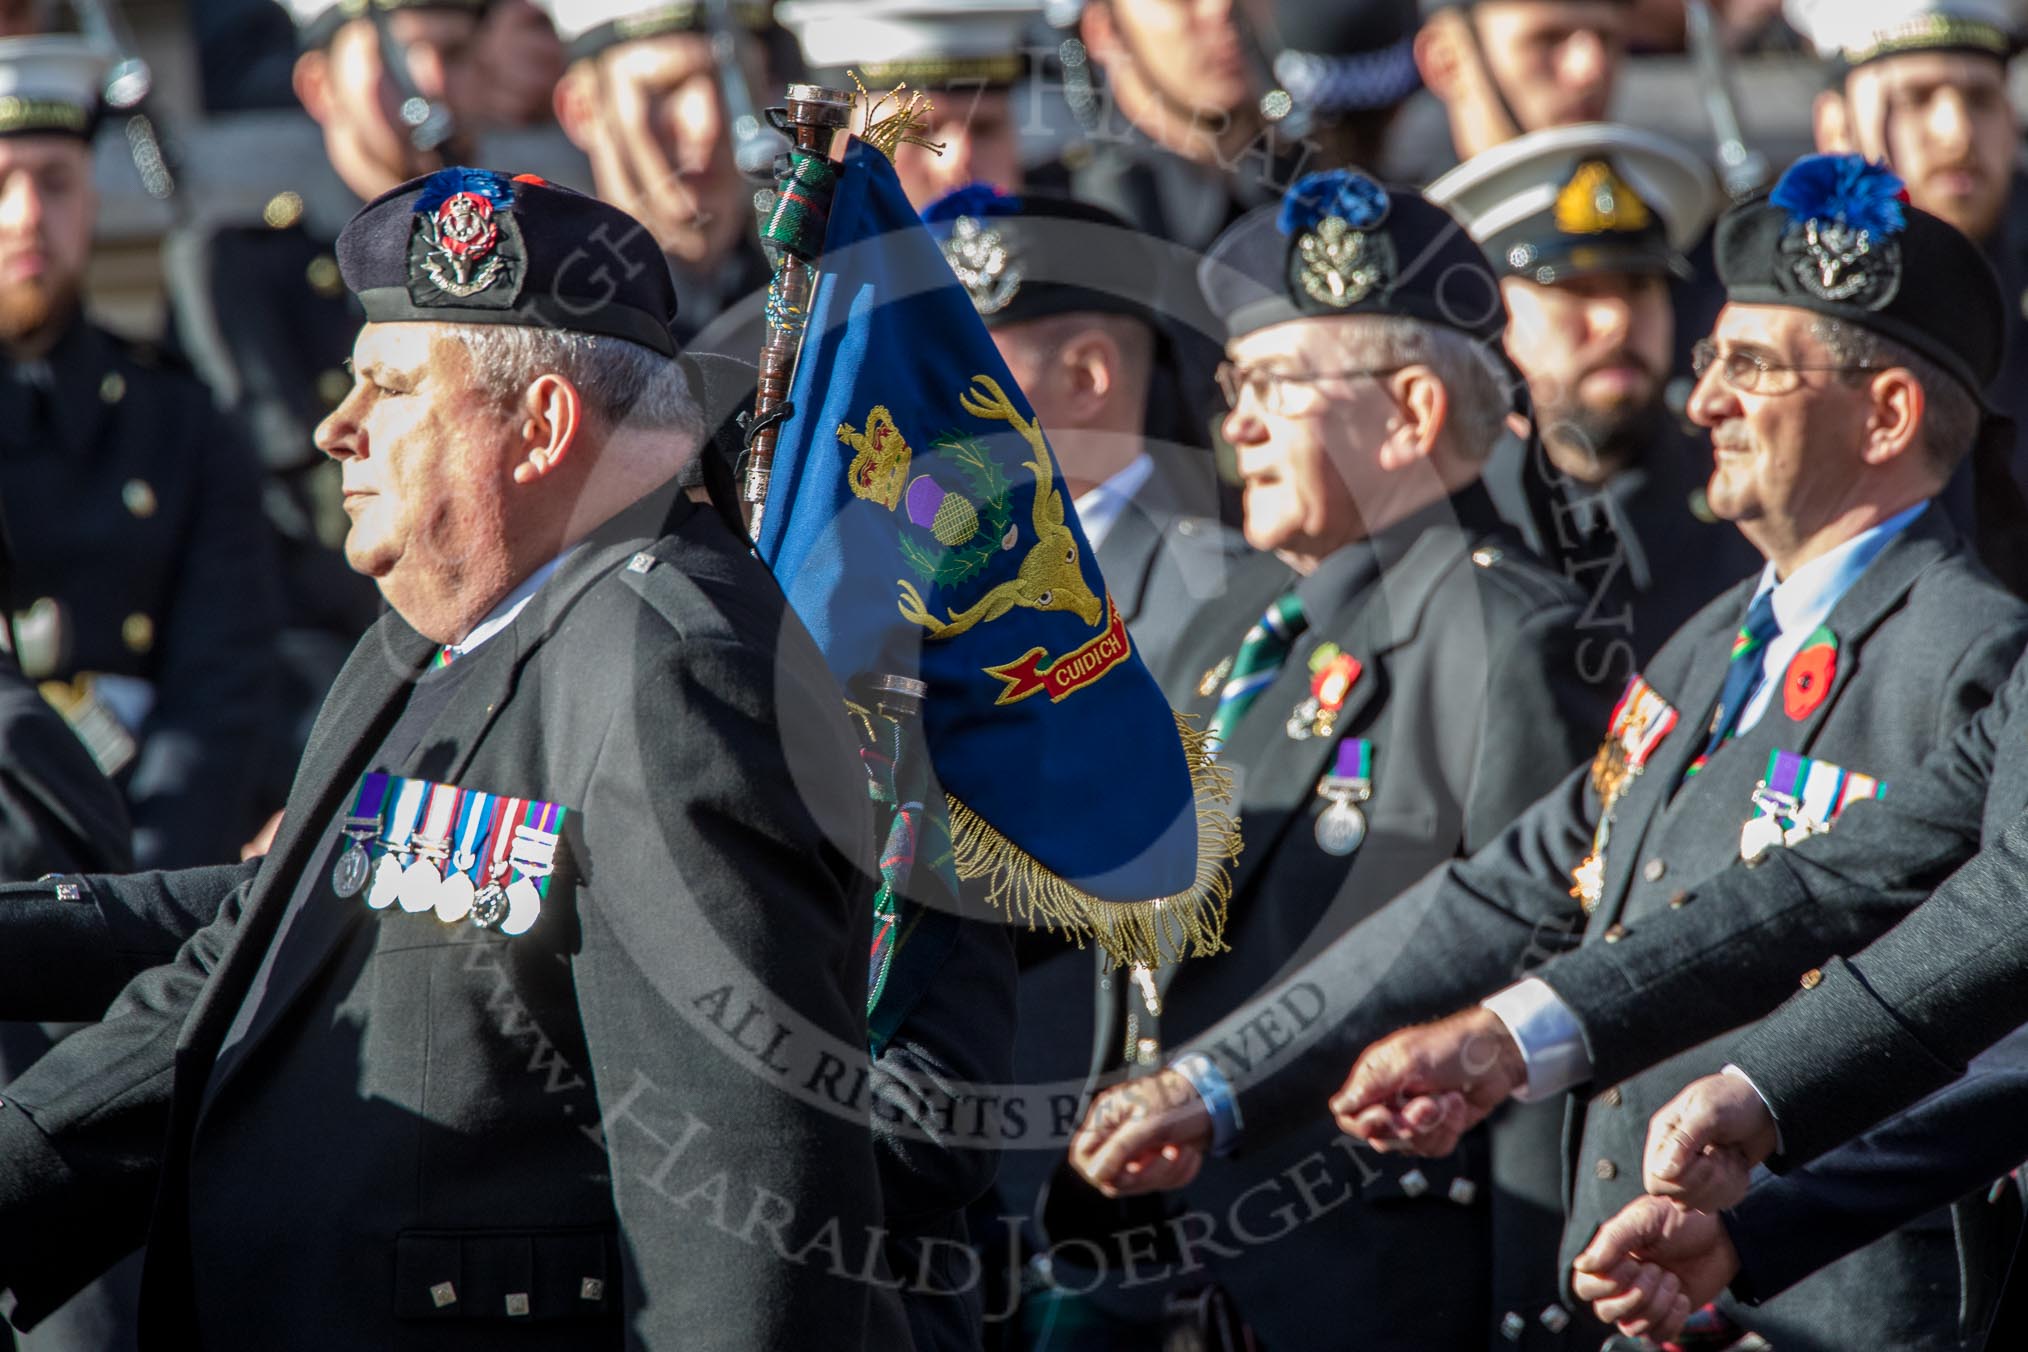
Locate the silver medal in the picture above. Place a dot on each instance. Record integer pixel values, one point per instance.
(419, 884)
(386, 887)
(1341, 827)
(454, 898)
(349, 874)
(489, 907)
(524, 904)
(1758, 836)
(1300, 725)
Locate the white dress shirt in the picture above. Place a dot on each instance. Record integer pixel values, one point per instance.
(1098, 509)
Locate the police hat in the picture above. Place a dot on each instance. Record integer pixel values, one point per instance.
(1570, 201)
(1341, 244)
(1837, 237)
(1348, 57)
(1853, 33)
(925, 44)
(1032, 256)
(50, 86)
(317, 20)
(588, 27)
(471, 246)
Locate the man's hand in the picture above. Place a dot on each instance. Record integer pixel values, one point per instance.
(1704, 1143)
(1421, 1089)
(1648, 1267)
(1146, 1135)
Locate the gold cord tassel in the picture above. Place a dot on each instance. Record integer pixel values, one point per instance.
(1134, 933)
(904, 125)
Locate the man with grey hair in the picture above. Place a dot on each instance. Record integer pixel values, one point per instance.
(570, 896)
(1837, 413)
(1390, 682)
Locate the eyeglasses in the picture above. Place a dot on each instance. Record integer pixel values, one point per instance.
(1270, 388)
(1751, 371)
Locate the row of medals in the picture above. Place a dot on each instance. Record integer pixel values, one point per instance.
(416, 881)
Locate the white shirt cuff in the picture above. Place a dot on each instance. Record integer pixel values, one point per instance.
(1736, 1073)
(1549, 1036)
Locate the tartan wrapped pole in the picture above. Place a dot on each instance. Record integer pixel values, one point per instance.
(792, 220)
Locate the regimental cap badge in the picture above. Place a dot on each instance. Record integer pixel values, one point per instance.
(465, 248)
(984, 262)
(1845, 219)
(1339, 255)
(1597, 201)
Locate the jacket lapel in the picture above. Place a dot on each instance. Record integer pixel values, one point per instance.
(1877, 593)
(1126, 558)
(444, 757)
(364, 703)
(1282, 772)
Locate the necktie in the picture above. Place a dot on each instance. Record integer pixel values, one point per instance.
(1743, 677)
(1259, 659)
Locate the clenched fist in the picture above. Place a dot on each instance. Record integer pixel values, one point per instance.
(1648, 1267)
(1419, 1090)
(1704, 1143)
(1147, 1135)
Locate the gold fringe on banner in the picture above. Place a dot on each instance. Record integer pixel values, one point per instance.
(888, 132)
(1134, 933)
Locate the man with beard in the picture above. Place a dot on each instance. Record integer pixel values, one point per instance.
(1862, 645)
(643, 97)
(143, 572)
(1922, 85)
(262, 314)
(1587, 227)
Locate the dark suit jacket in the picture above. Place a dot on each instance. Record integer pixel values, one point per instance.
(140, 551)
(1947, 1149)
(1167, 555)
(1924, 638)
(1866, 1035)
(1471, 697)
(672, 704)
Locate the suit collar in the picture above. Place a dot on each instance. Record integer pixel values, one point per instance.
(1877, 593)
(1367, 621)
(1407, 561)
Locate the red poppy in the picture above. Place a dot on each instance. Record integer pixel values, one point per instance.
(1334, 680)
(1809, 680)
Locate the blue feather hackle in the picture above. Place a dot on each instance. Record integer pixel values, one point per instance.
(1846, 189)
(974, 199)
(445, 184)
(1345, 193)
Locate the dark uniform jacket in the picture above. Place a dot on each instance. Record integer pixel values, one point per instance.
(58, 814)
(1470, 696)
(600, 1132)
(1867, 1035)
(1167, 554)
(266, 320)
(1923, 639)
(140, 552)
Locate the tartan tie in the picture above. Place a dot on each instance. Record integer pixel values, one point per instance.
(1743, 677)
(1256, 664)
